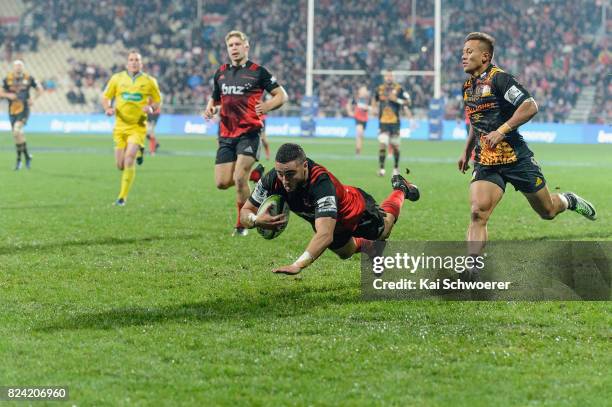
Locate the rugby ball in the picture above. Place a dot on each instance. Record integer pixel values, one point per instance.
(276, 205)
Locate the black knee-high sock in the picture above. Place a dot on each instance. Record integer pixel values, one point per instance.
(382, 154)
(19, 149)
(24, 148)
(396, 156)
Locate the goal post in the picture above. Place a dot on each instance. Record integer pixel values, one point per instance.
(310, 101)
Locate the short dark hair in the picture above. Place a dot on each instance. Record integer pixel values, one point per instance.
(290, 152)
(485, 38)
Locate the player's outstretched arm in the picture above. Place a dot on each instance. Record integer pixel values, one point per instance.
(323, 237)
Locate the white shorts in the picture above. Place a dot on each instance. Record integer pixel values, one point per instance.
(386, 139)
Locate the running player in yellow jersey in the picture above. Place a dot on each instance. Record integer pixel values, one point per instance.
(135, 95)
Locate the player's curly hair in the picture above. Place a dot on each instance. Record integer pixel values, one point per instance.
(484, 38)
(290, 152)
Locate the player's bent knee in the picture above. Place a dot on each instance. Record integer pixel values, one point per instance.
(548, 215)
(344, 255)
(222, 184)
(241, 177)
(386, 233)
(479, 215)
(387, 230)
(241, 180)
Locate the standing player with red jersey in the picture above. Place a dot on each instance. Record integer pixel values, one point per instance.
(238, 90)
(345, 219)
(359, 108)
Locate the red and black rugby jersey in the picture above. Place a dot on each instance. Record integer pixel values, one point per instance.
(321, 195)
(239, 89)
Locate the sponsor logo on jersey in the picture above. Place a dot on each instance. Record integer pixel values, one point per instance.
(132, 97)
(232, 89)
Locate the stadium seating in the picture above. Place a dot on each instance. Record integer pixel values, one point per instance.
(568, 77)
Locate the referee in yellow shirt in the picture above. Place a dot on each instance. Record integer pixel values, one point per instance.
(135, 95)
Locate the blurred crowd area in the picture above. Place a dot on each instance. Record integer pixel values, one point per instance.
(556, 49)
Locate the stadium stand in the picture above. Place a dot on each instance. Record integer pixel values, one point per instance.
(73, 50)
(553, 48)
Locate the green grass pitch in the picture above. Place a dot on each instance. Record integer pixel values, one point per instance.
(155, 303)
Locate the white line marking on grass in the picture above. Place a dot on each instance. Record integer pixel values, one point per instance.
(315, 156)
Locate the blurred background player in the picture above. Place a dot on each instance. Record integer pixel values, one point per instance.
(264, 136)
(152, 119)
(345, 219)
(358, 109)
(238, 88)
(497, 105)
(135, 95)
(16, 88)
(389, 100)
